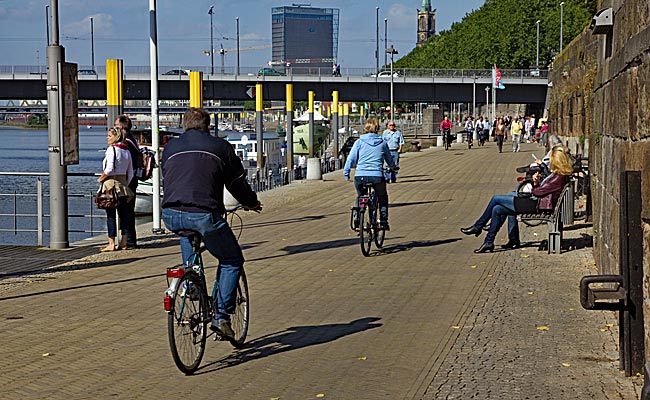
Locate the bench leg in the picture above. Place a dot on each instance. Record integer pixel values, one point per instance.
(554, 237)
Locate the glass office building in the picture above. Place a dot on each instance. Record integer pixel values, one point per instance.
(305, 36)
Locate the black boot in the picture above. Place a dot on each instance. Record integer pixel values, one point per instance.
(471, 230)
(485, 247)
(512, 244)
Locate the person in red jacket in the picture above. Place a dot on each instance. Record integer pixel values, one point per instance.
(445, 128)
(545, 195)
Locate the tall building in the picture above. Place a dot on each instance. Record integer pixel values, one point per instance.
(305, 36)
(426, 23)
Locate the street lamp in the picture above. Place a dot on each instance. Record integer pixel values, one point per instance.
(392, 51)
(211, 12)
(47, 23)
(561, 23)
(385, 38)
(377, 41)
(537, 46)
(92, 45)
(237, 19)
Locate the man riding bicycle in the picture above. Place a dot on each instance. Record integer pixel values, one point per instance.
(369, 154)
(195, 168)
(445, 128)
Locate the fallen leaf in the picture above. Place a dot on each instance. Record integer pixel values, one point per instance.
(525, 256)
(46, 354)
(320, 395)
(362, 358)
(566, 364)
(543, 328)
(275, 398)
(455, 327)
(609, 325)
(473, 266)
(330, 270)
(603, 330)
(531, 293)
(572, 309)
(534, 233)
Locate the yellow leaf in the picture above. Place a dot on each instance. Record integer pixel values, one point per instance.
(275, 398)
(609, 325)
(572, 309)
(531, 293)
(455, 327)
(566, 364)
(330, 270)
(46, 354)
(525, 256)
(320, 395)
(603, 330)
(543, 328)
(473, 266)
(362, 358)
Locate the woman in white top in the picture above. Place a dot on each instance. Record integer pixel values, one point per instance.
(117, 172)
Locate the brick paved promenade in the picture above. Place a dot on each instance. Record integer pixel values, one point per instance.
(424, 319)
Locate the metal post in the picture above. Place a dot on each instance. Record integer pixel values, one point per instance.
(47, 23)
(237, 19)
(259, 127)
(385, 39)
(58, 172)
(310, 113)
(487, 104)
(153, 61)
(537, 45)
(561, 23)
(289, 129)
(39, 210)
(377, 41)
(474, 97)
(92, 45)
(335, 121)
(211, 42)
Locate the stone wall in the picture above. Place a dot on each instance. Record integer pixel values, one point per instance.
(605, 99)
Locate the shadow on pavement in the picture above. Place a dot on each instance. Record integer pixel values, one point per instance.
(293, 338)
(411, 245)
(415, 203)
(307, 247)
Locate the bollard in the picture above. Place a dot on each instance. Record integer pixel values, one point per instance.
(314, 169)
(415, 145)
(439, 141)
(459, 138)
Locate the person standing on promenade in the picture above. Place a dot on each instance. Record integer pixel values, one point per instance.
(302, 166)
(500, 133)
(117, 172)
(196, 167)
(395, 141)
(516, 127)
(129, 241)
(368, 154)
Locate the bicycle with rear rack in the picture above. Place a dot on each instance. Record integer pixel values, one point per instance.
(365, 218)
(190, 308)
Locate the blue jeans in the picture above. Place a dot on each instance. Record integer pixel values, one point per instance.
(498, 209)
(220, 242)
(380, 190)
(126, 219)
(392, 177)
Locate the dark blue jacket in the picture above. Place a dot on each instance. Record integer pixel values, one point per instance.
(196, 167)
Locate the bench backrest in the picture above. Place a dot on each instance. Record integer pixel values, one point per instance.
(560, 200)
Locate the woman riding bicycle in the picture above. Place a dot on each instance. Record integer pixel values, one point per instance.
(368, 154)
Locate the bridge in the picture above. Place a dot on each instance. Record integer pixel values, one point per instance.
(410, 85)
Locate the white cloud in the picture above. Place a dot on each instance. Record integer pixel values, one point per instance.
(80, 29)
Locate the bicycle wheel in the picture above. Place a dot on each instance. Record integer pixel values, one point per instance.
(240, 318)
(365, 231)
(187, 323)
(446, 143)
(580, 199)
(380, 234)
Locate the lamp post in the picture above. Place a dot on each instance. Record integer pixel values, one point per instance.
(537, 46)
(211, 12)
(47, 23)
(92, 45)
(385, 39)
(377, 42)
(487, 102)
(392, 51)
(237, 19)
(561, 23)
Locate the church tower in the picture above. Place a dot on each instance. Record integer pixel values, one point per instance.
(426, 22)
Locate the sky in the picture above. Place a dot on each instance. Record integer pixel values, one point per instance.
(121, 29)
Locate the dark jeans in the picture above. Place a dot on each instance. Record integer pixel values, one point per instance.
(128, 223)
(499, 140)
(122, 212)
(380, 189)
(498, 209)
(220, 242)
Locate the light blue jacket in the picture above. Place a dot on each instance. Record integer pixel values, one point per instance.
(368, 154)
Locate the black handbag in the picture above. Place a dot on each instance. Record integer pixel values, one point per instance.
(107, 199)
(526, 205)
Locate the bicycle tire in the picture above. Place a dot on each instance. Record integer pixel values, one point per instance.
(446, 143)
(580, 199)
(533, 222)
(365, 232)
(187, 323)
(380, 235)
(239, 320)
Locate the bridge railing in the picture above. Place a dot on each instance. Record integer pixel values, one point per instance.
(181, 72)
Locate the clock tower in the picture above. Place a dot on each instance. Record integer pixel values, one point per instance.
(426, 23)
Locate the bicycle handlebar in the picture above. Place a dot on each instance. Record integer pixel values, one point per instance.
(237, 207)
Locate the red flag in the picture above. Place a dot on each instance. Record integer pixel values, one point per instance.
(497, 79)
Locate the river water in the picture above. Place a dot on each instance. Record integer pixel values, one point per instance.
(25, 150)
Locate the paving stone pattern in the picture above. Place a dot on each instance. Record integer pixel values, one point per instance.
(425, 318)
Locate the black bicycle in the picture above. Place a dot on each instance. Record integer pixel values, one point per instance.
(365, 220)
(446, 138)
(190, 309)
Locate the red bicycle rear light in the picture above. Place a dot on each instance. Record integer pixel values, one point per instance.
(363, 200)
(520, 179)
(168, 303)
(175, 272)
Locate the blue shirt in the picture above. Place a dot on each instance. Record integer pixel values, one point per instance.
(394, 139)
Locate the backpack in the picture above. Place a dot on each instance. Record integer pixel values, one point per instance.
(146, 162)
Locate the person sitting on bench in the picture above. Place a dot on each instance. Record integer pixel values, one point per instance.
(545, 195)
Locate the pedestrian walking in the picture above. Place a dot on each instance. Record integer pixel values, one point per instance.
(516, 127)
(500, 133)
(395, 141)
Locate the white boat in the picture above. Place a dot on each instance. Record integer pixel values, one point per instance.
(144, 198)
(245, 145)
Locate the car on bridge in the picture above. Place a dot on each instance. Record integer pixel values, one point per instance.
(267, 71)
(177, 72)
(86, 72)
(385, 74)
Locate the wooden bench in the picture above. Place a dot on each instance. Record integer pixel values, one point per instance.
(553, 219)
